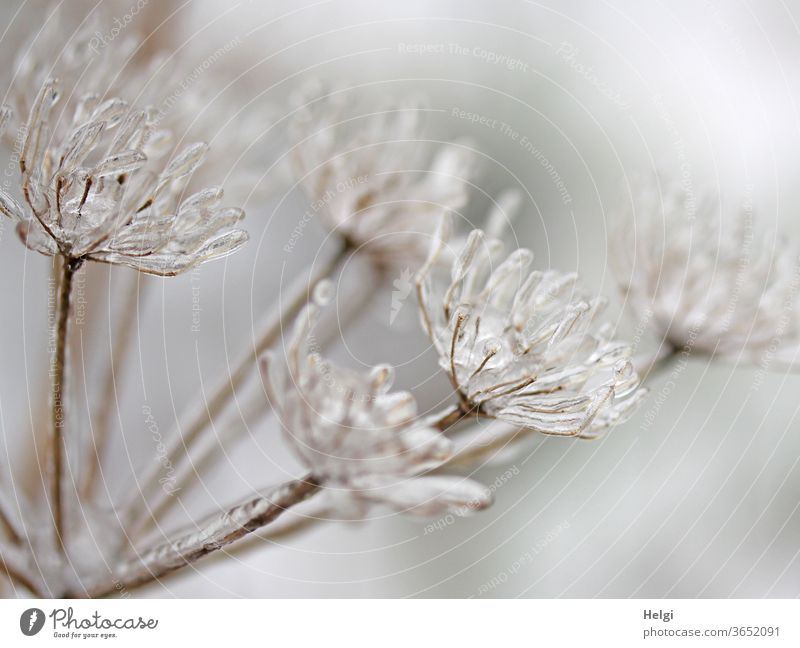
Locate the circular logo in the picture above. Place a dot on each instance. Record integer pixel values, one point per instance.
(31, 621)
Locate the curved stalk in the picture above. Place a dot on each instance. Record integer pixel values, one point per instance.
(218, 532)
(223, 529)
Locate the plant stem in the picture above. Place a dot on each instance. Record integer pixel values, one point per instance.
(220, 531)
(223, 529)
(206, 410)
(452, 416)
(649, 365)
(58, 398)
(488, 442)
(9, 519)
(13, 565)
(256, 406)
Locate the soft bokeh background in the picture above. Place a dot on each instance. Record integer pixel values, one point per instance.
(695, 497)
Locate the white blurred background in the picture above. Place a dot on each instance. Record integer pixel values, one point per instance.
(702, 502)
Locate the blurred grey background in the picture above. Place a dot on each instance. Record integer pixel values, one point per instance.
(698, 498)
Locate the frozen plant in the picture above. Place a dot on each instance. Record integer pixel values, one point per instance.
(727, 291)
(379, 185)
(101, 179)
(95, 196)
(523, 346)
(374, 177)
(357, 437)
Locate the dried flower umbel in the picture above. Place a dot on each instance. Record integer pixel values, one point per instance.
(94, 194)
(356, 437)
(379, 185)
(133, 66)
(373, 177)
(98, 184)
(177, 109)
(521, 346)
(93, 197)
(728, 292)
(361, 443)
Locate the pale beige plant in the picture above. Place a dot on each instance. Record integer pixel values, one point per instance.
(356, 436)
(699, 281)
(524, 346)
(105, 176)
(95, 196)
(372, 175)
(380, 186)
(94, 188)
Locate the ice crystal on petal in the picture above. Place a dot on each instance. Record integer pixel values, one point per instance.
(357, 436)
(730, 292)
(522, 345)
(373, 176)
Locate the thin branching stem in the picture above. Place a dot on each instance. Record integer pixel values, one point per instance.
(505, 434)
(648, 366)
(224, 529)
(13, 565)
(9, 520)
(256, 405)
(207, 409)
(58, 397)
(217, 533)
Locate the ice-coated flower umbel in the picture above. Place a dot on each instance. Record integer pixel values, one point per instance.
(358, 437)
(373, 177)
(727, 291)
(521, 347)
(98, 195)
(177, 111)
